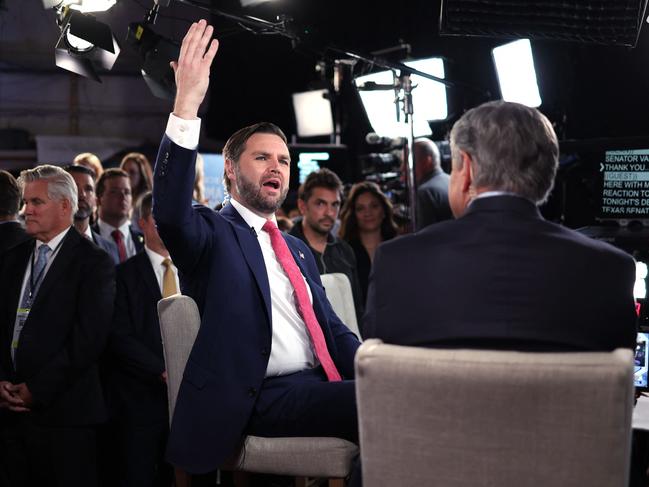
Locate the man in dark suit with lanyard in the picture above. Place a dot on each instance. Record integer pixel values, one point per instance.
(271, 357)
(58, 291)
(500, 276)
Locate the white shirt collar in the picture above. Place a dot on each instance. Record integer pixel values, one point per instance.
(88, 233)
(253, 220)
(54, 242)
(155, 258)
(107, 229)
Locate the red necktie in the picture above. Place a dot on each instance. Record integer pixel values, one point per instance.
(302, 297)
(119, 240)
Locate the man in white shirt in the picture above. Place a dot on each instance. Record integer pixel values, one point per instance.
(271, 357)
(115, 201)
(57, 301)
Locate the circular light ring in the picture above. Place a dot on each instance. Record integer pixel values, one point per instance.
(77, 44)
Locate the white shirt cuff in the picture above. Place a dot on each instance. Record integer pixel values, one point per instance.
(184, 133)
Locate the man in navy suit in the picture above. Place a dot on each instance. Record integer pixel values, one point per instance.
(84, 177)
(252, 369)
(500, 276)
(115, 204)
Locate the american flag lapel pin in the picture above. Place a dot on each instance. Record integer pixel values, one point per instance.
(301, 254)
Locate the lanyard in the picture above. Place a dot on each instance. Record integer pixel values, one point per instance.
(33, 284)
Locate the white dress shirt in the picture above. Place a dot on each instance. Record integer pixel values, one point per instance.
(106, 230)
(159, 269)
(291, 345)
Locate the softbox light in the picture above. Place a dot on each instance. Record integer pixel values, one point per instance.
(613, 22)
(156, 52)
(83, 6)
(85, 46)
(514, 64)
(313, 113)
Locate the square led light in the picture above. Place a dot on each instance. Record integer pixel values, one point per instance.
(313, 113)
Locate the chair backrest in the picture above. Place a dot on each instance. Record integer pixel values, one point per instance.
(179, 324)
(339, 293)
(462, 418)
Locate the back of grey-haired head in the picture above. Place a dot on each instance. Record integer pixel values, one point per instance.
(60, 185)
(513, 148)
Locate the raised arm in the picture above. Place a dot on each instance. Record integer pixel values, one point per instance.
(192, 70)
(184, 232)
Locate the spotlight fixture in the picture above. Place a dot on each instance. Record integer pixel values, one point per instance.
(429, 99)
(85, 45)
(83, 6)
(252, 3)
(156, 53)
(516, 74)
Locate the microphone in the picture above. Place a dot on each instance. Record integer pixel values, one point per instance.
(375, 139)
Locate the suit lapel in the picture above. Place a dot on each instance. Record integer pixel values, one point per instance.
(59, 266)
(251, 252)
(148, 274)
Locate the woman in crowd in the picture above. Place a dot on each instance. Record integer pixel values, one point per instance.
(366, 220)
(139, 172)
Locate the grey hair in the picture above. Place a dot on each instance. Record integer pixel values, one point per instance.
(514, 149)
(60, 185)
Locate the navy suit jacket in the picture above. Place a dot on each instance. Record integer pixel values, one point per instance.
(134, 358)
(222, 268)
(502, 277)
(64, 334)
(138, 240)
(107, 245)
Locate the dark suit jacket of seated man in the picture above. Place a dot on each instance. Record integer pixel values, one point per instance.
(500, 276)
(237, 380)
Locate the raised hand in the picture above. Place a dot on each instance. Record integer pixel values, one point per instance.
(192, 70)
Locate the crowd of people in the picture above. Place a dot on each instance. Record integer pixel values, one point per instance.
(82, 373)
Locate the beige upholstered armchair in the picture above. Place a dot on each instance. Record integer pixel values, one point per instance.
(472, 418)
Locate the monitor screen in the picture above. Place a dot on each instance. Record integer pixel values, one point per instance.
(213, 168)
(640, 361)
(625, 184)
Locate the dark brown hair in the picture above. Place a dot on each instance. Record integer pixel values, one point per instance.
(323, 178)
(111, 173)
(349, 224)
(9, 194)
(236, 144)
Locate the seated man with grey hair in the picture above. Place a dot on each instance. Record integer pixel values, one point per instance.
(57, 293)
(500, 276)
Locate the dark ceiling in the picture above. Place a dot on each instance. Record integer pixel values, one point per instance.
(588, 90)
